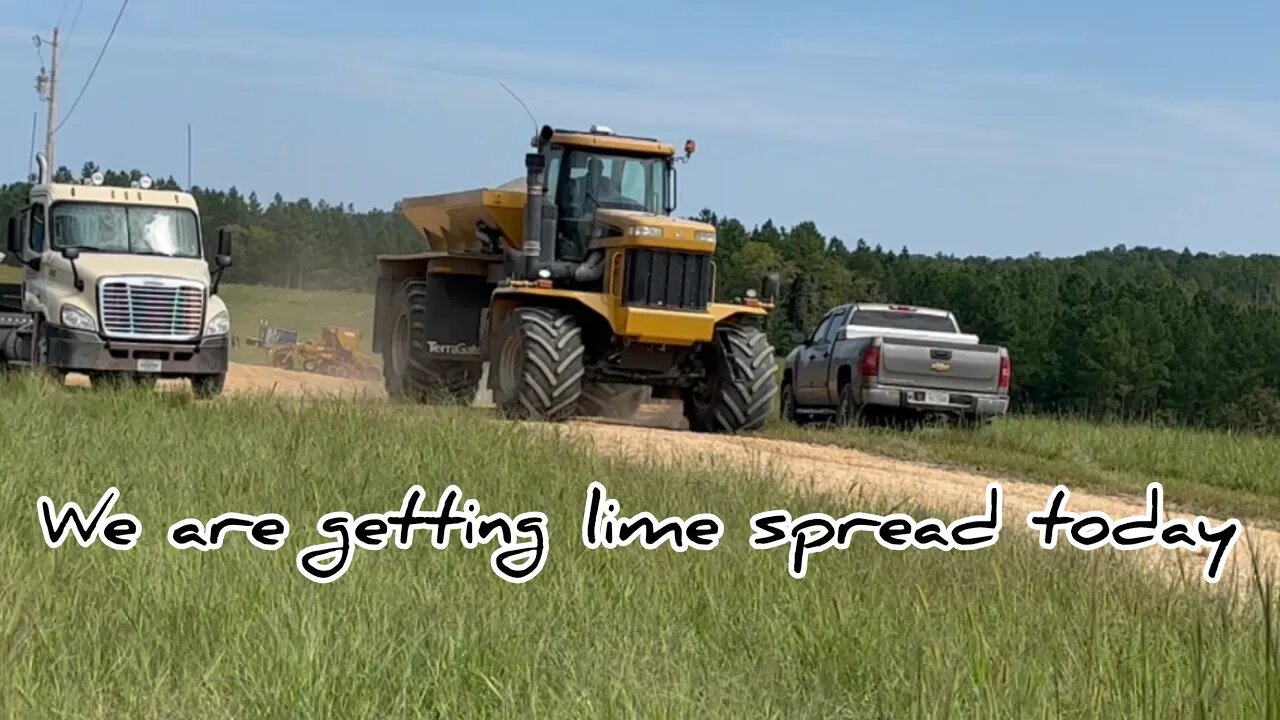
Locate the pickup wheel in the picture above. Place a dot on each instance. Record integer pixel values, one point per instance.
(848, 414)
(788, 411)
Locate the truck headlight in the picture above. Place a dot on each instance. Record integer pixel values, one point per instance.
(705, 236)
(74, 317)
(644, 231)
(219, 324)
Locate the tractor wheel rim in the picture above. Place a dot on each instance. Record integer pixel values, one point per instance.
(400, 346)
(509, 363)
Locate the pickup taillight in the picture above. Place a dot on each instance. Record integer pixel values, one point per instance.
(1006, 373)
(870, 362)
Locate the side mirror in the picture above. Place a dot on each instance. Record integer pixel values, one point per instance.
(224, 243)
(223, 260)
(771, 286)
(799, 338)
(12, 242)
(71, 253)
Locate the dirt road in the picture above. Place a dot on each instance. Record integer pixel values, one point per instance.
(657, 435)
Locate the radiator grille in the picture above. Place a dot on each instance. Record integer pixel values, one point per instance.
(667, 279)
(151, 308)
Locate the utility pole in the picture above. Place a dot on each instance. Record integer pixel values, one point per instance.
(47, 87)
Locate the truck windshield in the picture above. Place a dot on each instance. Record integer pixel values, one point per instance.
(590, 180)
(903, 320)
(126, 229)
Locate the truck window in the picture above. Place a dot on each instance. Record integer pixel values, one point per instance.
(821, 331)
(37, 228)
(837, 324)
(904, 320)
(171, 232)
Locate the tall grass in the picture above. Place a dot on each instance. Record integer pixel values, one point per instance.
(1012, 631)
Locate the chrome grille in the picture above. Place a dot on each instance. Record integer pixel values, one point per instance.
(144, 308)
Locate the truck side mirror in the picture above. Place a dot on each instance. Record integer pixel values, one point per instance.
(12, 242)
(799, 338)
(222, 259)
(771, 286)
(71, 253)
(224, 244)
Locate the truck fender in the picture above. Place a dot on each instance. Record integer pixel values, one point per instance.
(589, 308)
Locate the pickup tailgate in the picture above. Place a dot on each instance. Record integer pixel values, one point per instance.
(939, 365)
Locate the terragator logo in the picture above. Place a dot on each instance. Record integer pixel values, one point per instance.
(455, 349)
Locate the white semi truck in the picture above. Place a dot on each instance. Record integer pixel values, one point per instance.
(115, 285)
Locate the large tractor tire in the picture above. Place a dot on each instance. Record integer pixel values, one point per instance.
(537, 365)
(613, 401)
(408, 371)
(741, 384)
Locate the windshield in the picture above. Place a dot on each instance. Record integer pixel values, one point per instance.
(903, 320)
(126, 229)
(620, 182)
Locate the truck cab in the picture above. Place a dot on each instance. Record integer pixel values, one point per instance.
(115, 285)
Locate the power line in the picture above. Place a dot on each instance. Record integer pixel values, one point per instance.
(94, 69)
(74, 20)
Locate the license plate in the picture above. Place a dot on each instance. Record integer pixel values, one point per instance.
(150, 366)
(936, 398)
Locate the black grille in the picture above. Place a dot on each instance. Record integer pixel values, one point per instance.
(667, 280)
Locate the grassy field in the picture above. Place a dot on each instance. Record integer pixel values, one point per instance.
(306, 312)
(1010, 631)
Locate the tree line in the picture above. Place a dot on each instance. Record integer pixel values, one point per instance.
(1118, 333)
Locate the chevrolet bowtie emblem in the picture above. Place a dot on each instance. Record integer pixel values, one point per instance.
(941, 367)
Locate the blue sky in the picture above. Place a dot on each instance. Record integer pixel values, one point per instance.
(977, 128)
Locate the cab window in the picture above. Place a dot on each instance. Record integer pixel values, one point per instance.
(819, 333)
(37, 228)
(837, 324)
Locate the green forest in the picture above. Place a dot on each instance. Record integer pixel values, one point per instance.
(1125, 333)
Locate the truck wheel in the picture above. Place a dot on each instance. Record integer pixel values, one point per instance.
(848, 414)
(41, 359)
(408, 372)
(615, 401)
(208, 386)
(538, 364)
(741, 384)
(788, 411)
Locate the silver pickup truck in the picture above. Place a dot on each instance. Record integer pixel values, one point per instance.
(864, 360)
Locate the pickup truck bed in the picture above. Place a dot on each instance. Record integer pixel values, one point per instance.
(912, 360)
